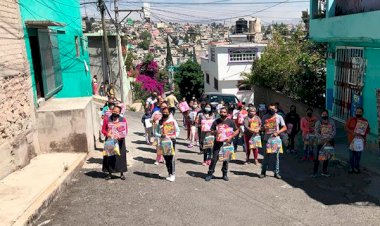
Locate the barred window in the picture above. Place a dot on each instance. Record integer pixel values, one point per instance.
(242, 55)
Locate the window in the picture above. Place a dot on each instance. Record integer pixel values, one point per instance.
(216, 85)
(51, 72)
(242, 55)
(207, 78)
(212, 54)
(77, 46)
(349, 76)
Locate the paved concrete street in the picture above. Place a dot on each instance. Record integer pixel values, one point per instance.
(146, 198)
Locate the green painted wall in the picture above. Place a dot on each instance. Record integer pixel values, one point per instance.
(371, 83)
(361, 27)
(76, 81)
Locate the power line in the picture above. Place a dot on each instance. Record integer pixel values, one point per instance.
(222, 3)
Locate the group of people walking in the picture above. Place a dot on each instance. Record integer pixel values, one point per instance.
(219, 129)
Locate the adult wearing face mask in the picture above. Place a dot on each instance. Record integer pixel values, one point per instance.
(172, 133)
(325, 131)
(308, 130)
(252, 125)
(292, 120)
(224, 130)
(357, 128)
(198, 122)
(271, 124)
(115, 127)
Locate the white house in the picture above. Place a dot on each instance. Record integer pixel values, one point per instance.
(223, 64)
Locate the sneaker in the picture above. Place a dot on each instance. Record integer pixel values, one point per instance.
(278, 176)
(325, 174)
(171, 178)
(225, 178)
(315, 175)
(190, 146)
(262, 175)
(156, 163)
(208, 178)
(304, 158)
(311, 158)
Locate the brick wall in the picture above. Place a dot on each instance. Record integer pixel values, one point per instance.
(18, 139)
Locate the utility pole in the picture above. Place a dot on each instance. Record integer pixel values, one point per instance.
(118, 43)
(119, 51)
(108, 75)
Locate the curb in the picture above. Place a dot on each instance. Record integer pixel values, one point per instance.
(50, 194)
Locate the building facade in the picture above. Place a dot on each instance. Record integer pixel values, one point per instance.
(18, 142)
(223, 67)
(350, 29)
(56, 48)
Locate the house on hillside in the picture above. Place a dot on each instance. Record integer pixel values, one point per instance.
(351, 30)
(224, 64)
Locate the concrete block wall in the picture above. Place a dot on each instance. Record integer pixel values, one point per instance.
(18, 140)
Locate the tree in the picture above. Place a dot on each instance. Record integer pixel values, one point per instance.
(169, 58)
(145, 38)
(189, 80)
(129, 61)
(295, 67)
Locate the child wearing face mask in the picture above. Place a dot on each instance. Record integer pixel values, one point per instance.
(325, 131)
(308, 128)
(193, 126)
(167, 128)
(205, 120)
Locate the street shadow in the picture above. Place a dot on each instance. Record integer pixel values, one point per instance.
(189, 161)
(95, 160)
(151, 150)
(196, 174)
(187, 151)
(139, 133)
(182, 143)
(144, 160)
(139, 142)
(244, 173)
(339, 188)
(238, 161)
(148, 175)
(95, 174)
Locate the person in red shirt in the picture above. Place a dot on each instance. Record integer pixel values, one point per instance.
(357, 128)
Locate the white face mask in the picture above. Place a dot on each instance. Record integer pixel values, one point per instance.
(195, 106)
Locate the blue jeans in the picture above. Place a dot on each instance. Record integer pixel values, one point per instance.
(267, 156)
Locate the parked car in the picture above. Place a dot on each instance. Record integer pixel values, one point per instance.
(214, 98)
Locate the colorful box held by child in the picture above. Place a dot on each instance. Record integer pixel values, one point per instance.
(224, 132)
(183, 106)
(255, 142)
(111, 148)
(361, 127)
(227, 152)
(208, 142)
(274, 145)
(326, 153)
(206, 125)
(167, 147)
(168, 129)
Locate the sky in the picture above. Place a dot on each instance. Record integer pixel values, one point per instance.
(219, 11)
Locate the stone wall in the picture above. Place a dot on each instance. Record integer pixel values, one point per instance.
(267, 96)
(17, 117)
